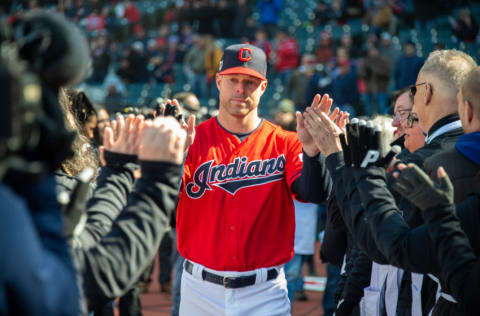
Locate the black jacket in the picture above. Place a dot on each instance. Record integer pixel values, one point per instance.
(126, 223)
(457, 250)
(373, 236)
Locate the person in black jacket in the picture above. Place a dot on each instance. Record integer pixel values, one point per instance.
(454, 232)
(436, 109)
(117, 251)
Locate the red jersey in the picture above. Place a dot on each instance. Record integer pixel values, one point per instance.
(236, 211)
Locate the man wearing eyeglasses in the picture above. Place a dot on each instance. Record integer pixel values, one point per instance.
(435, 107)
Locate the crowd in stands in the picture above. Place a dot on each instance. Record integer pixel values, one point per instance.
(144, 49)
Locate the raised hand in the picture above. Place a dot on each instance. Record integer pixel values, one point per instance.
(122, 136)
(322, 104)
(418, 188)
(162, 140)
(324, 131)
(173, 108)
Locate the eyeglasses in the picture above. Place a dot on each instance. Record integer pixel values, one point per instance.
(413, 88)
(400, 114)
(411, 119)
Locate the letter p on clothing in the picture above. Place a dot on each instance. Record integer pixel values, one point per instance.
(371, 156)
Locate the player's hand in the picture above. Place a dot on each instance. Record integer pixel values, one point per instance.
(418, 188)
(122, 136)
(162, 140)
(324, 131)
(189, 128)
(308, 144)
(173, 108)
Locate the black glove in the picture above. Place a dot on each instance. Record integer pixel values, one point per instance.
(418, 188)
(344, 308)
(364, 145)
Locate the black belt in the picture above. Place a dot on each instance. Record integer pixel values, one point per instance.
(230, 282)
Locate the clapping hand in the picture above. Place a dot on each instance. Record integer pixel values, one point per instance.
(122, 135)
(162, 140)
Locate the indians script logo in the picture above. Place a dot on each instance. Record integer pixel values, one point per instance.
(236, 175)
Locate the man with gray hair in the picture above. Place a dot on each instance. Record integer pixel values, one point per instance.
(435, 104)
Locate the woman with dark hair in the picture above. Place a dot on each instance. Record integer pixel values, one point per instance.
(83, 111)
(78, 112)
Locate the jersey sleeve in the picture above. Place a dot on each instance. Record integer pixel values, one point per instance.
(294, 158)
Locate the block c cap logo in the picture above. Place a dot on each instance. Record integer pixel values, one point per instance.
(245, 54)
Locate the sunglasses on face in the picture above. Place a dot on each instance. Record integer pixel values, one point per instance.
(413, 88)
(411, 119)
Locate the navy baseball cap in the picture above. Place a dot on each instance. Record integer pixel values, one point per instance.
(244, 59)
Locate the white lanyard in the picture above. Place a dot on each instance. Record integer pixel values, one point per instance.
(443, 130)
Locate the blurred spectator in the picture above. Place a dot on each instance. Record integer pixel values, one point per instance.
(242, 12)
(269, 11)
(201, 16)
(131, 12)
(139, 36)
(338, 11)
(287, 55)
(324, 51)
(113, 100)
(248, 30)
(407, 67)
(386, 48)
(133, 67)
(95, 21)
(354, 9)
(77, 11)
(321, 82)
(285, 115)
(322, 13)
(298, 84)
(465, 27)
(185, 42)
(345, 89)
(194, 67)
(225, 15)
(346, 41)
(380, 14)
(375, 70)
(100, 59)
(213, 55)
(163, 56)
(261, 41)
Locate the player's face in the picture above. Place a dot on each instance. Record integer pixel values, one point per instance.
(239, 94)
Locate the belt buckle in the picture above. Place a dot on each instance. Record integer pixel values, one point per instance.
(225, 281)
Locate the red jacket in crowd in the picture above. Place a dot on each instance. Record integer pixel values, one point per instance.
(288, 54)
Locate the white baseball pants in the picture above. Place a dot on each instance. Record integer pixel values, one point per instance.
(203, 298)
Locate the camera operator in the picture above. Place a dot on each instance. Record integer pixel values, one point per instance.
(36, 273)
(109, 255)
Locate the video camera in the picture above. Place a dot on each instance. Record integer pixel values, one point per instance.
(39, 53)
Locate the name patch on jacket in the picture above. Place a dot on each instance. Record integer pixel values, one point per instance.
(235, 176)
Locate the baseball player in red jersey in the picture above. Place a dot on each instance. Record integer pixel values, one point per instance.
(235, 217)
